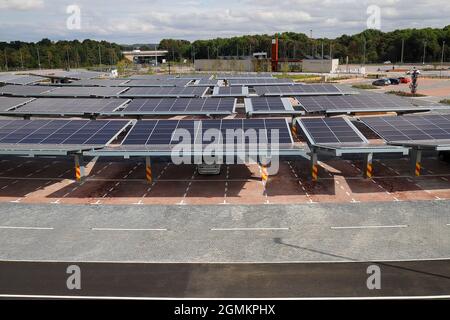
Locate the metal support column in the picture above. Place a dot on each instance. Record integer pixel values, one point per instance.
(148, 170)
(79, 168)
(314, 166)
(368, 166)
(416, 162)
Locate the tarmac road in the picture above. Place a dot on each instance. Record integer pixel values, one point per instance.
(286, 280)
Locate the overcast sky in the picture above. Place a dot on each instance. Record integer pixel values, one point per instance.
(140, 21)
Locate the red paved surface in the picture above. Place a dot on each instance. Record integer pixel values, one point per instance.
(35, 180)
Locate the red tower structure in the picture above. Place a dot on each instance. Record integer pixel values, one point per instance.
(275, 54)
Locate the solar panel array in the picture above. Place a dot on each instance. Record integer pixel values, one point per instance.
(260, 82)
(97, 83)
(59, 132)
(19, 79)
(330, 131)
(410, 128)
(160, 132)
(7, 103)
(156, 83)
(84, 92)
(65, 106)
(355, 103)
(205, 83)
(298, 89)
(242, 76)
(24, 91)
(180, 106)
(164, 92)
(269, 105)
(230, 91)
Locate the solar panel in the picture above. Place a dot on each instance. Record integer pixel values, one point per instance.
(157, 83)
(180, 106)
(7, 103)
(75, 74)
(230, 92)
(84, 92)
(67, 106)
(330, 131)
(356, 103)
(160, 132)
(410, 128)
(298, 90)
(96, 83)
(260, 82)
(269, 105)
(20, 79)
(206, 83)
(24, 91)
(189, 92)
(243, 76)
(59, 132)
(151, 77)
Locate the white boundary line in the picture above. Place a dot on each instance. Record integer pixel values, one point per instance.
(125, 229)
(25, 228)
(229, 262)
(221, 299)
(370, 227)
(247, 229)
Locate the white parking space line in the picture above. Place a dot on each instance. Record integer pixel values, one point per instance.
(370, 227)
(126, 229)
(25, 228)
(249, 229)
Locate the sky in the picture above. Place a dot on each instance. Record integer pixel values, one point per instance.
(140, 21)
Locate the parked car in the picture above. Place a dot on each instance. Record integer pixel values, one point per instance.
(394, 81)
(381, 82)
(404, 80)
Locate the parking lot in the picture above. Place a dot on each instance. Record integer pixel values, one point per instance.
(119, 181)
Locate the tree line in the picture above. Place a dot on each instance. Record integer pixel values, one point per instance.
(369, 46)
(18, 55)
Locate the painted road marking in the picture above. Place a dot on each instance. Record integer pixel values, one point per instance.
(248, 229)
(125, 229)
(370, 227)
(25, 228)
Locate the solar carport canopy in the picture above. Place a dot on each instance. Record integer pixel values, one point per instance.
(84, 92)
(175, 92)
(180, 106)
(24, 91)
(69, 106)
(260, 82)
(96, 83)
(330, 131)
(358, 103)
(428, 131)
(157, 83)
(19, 79)
(230, 92)
(269, 105)
(60, 136)
(299, 90)
(161, 132)
(7, 103)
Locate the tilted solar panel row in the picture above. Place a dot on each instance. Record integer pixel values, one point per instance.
(161, 132)
(59, 132)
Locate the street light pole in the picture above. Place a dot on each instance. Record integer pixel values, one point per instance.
(39, 57)
(403, 51)
(442, 58)
(424, 51)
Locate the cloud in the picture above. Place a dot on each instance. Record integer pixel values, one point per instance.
(149, 21)
(21, 4)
